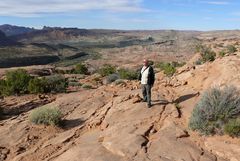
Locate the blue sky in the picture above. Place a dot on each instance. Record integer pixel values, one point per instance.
(123, 14)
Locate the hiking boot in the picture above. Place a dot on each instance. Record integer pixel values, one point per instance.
(149, 106)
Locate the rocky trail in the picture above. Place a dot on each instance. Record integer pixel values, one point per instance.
(111, 123)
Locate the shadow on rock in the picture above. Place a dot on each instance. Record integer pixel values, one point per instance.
(185, 97)
(177, 101)
(69, 124)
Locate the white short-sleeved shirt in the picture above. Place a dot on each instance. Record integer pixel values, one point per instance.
(144, 72)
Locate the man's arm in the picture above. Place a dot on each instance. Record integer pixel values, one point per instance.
(152, 75)
(140, 76)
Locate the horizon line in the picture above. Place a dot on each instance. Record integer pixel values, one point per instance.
(118, 29)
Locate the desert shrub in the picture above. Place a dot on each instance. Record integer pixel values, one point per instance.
(168, 68)
(231, 49)
(127, 74)
(2, 87)
(16, 82)
(215, 109)
(55, 84)
(87, 86)
(208, 56)
(37, 85)
(106, 70)
(222, 53)
(46, 115)
(81, 69)
(206, 53)
(74, 84)
(112, 77)
(232, 128)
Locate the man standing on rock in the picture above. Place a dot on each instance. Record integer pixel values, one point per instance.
(147, 78)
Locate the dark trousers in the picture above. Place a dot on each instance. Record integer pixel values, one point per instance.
(146, 92)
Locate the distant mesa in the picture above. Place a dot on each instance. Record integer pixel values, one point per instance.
(11, 30)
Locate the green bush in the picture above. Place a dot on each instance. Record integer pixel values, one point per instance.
(159, 65)
(127, 74)
(215, 109)
(46, 115)
(37, 85)
(87, 86)
(55, 84)
(222, 53)
(81, 69)
(168, 68)
(74, 84)
(16, 82)
(206, 53)
(20, 82)
(231, 49)
(2, 87)
(232, 128)
(106, 70)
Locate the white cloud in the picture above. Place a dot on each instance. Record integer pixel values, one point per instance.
(32, 8)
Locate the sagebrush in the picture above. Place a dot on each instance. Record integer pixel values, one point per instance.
(46, 115)
(232, 128)
(215, 109)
